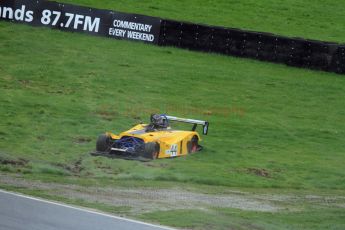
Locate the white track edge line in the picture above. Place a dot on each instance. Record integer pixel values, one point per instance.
(84, 210)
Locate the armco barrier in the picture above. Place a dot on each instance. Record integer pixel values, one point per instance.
(235, 42)
(297, 52)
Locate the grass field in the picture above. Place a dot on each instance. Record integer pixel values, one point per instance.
(273, 129)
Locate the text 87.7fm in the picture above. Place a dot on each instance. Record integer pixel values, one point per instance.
(72, 21)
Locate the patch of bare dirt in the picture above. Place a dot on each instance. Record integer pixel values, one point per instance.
(143, 200)
(106, 113)
(74, 168)
(82, 140)
(258, 172)
(17, 162)
(153, 165)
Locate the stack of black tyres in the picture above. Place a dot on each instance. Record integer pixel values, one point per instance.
(297, 52)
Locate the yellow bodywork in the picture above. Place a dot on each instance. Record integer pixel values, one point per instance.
(172, 143)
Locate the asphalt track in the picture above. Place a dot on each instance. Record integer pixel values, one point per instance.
(19, 212)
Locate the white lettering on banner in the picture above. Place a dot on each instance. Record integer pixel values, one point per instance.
(53, 18)
(19, 14)
(75, 21)
(132, 26)
(122, 26)
(140, 36)
(132, 30)
(117, 32)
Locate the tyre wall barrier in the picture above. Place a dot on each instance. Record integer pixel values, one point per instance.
(296, 52)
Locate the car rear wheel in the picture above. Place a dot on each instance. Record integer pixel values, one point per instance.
(193, 145)
(103, 143)
(151, 150)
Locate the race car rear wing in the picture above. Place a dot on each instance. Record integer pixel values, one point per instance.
(191, 121)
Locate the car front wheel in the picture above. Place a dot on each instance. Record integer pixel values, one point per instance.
(151, 150)
(103, 143)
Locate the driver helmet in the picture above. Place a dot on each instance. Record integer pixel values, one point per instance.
(159, 121)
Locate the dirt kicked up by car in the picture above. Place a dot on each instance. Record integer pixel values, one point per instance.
(154, 140)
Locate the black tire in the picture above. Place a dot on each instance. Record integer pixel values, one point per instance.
(192, 145)
(151, 150)
(103, 143)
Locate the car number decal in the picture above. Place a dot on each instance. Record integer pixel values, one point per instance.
(172, 151)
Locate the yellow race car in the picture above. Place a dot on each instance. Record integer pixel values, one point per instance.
(154, 140)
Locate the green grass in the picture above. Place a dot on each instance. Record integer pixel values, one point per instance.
(286, 122)
(222, 219)
(273, 128)
(321, 20)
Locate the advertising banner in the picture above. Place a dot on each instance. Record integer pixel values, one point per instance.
(74, 18)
